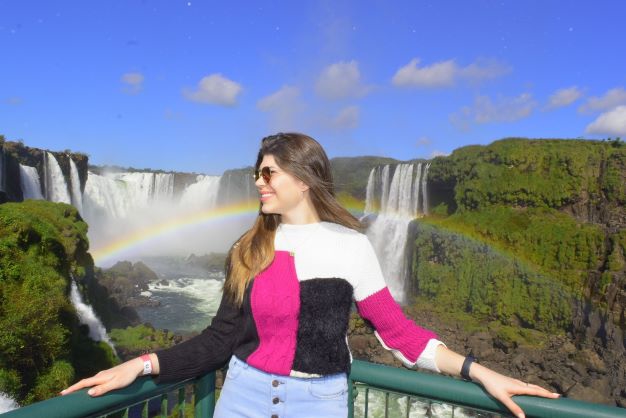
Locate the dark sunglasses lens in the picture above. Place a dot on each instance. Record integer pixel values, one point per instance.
(264, 172)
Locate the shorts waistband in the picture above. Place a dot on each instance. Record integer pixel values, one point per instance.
(341, 375)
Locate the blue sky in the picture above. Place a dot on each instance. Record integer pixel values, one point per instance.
(194, 85)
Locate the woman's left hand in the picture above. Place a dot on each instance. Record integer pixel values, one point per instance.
(503, 387)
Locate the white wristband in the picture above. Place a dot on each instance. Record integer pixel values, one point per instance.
(147, 364)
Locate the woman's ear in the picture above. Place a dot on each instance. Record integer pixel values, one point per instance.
(303, 186)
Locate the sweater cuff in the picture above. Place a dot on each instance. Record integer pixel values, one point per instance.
(426, 360)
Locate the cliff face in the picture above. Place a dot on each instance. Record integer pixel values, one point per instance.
(12, 154)
(583, 179)
(16, 153)
(43, 347)
(555, 207)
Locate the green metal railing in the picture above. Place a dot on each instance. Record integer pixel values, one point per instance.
(365, 378)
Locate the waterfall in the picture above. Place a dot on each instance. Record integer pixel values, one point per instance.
(202, 193)
(120, 195)
(29, 182)
(395, 199)
(88, 317)
(3, 186)
(370, 191)
(163, 188)
(77, 196)
(123, 204)
(55, 184)
(6, 403)
(424, 191)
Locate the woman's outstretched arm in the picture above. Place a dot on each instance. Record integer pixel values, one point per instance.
(116, 377)
(420, 347)
(498, 385)
(205, 352)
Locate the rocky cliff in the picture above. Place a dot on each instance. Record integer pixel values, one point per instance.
(43, 346)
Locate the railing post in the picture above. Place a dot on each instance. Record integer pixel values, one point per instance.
(351, 395)
(204, 396)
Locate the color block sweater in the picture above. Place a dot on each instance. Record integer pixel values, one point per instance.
(294, 319)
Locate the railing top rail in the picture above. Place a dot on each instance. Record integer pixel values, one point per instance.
(455, 391)
(79, 404)
(439, 388)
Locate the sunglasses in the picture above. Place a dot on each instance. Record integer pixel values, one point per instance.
(265, 172)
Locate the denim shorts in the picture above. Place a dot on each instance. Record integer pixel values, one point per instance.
(251, 393)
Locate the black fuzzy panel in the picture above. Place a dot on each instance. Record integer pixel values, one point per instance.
(324, 314)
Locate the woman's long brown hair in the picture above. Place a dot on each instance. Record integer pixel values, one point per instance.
(302, 157)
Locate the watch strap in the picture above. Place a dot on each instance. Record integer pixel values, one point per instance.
(466, 366)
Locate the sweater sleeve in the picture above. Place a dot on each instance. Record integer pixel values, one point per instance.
(207, 351)
(413, 345)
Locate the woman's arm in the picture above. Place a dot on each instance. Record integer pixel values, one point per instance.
(499, 386)
(205, 352)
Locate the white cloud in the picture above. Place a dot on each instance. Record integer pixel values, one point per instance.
(564, 97)
(341, 80)
(446, 73)
(215, 89)
(611, 99)
(437, 153)
(437, 75)
(486, 110)
(285, 96)
(344, 119)
(133, 81)
(348, 118)
(483, 70)
(612, 122)
(284, 106)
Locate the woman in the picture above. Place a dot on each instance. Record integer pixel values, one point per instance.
(283, 318)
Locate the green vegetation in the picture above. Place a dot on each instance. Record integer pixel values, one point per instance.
(466, 276)
(536, 173)
(350, 174)
(350, 202)
(553, 243)
(43, 347)
(140, 339)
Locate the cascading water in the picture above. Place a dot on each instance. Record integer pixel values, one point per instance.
(2, 169)
(29, 182)
(115, 204)
(56, 186)
(122, 204)
(77, 196)
(87, 316)
(202, 193)
(121, 194)
(6, 403)
(395, 203)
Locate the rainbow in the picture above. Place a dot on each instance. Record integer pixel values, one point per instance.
(207, 216)
(152, 232)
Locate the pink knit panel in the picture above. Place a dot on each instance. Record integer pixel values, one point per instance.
(275, 302)
(395, 329)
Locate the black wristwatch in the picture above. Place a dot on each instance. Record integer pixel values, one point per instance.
(466, 366)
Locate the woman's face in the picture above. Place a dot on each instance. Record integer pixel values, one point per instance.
(284, 193)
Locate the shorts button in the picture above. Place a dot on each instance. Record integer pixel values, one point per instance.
(275, 400)
(275, 383)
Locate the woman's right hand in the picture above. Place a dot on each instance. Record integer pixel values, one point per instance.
(104, 381)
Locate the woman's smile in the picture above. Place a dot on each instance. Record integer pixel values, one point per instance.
(266, 196)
